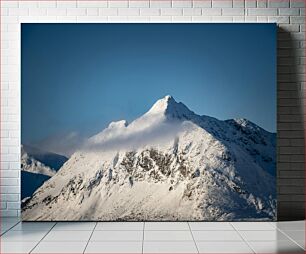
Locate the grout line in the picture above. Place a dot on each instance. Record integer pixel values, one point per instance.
(290, 238)
(143, 232)
(246, 242)
(273, 225)
(10, 228)
(193, 238)
(124, 230)
(160, 230)
(42, 238)
(90, 236)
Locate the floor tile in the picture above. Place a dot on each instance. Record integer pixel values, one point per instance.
(114, 247)
(119, 226)
(301, 243)
(169, 247)
(276, 247)
(216, 236)
(211, 226)
(67, 226)
(101, 236)
(166, 226)
(60, 247)
(7, 225)
(296, 235)
(253, 226)
(33, 226)
(167, 236)
(274, 235)
(69, 236)
(23, 236)
(223, 247)
(17, 247)
(160, 237)
(3, 230)
(290, 225)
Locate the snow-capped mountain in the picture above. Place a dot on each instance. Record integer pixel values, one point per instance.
(37, 166)
(168, 164)
(37, 161)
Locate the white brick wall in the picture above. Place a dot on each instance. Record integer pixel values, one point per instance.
(291, 68)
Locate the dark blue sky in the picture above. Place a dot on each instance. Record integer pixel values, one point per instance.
(79, 77)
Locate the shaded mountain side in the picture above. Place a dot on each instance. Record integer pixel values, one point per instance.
(30, 182)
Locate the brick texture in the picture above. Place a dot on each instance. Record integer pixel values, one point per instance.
(289, 14)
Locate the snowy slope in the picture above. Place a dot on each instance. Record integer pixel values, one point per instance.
(169, 164)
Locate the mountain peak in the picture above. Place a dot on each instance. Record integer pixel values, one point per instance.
(161, 105)
(169, 107)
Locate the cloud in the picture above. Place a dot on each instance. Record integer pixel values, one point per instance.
(64, 143)
(116, 138)
(131, 139)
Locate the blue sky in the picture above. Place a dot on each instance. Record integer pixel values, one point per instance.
(80, 77)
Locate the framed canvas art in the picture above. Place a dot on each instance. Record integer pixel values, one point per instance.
(148, 122)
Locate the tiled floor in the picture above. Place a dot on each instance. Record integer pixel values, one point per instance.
(152, 237)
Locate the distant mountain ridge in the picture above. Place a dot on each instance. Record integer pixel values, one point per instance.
(52, 160)
(37, 166)
(168, 164)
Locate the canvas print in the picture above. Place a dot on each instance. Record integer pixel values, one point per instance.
(148, 122)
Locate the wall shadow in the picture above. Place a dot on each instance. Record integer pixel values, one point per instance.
(290, 130)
